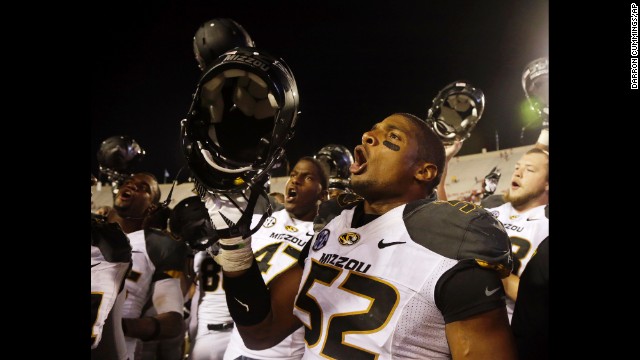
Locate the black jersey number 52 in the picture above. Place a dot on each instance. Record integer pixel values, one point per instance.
(383, 299)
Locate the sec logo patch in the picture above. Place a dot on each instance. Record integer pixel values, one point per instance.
(321, 239)
(269, 222)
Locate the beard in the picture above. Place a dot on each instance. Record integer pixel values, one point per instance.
(365, 188)
(522, 199)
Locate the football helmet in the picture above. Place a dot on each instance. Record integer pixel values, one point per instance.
(336, 159)
(190, 221)
(216, 36)
(244, 111)
(455, 111)
(118, 156)
(535, 83)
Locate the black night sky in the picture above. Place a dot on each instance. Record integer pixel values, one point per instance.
(354, 65)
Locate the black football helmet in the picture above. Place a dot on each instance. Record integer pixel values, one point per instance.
(244, 111)
(455, 111)
(216, 36)
(337, 159)
(535, 83)
(190, 221)
(118, 156)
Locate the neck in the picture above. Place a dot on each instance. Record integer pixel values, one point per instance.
(307, 216)
(381, 206)
(127, 224)
(539, 201)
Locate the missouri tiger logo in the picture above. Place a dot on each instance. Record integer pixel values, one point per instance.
(291, 228)
(349, 238)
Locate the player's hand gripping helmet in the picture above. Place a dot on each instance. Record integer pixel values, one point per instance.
(118, 156)
(337, 159)
(455, 111)
(243, 112)
(216, 36)
(535, 82)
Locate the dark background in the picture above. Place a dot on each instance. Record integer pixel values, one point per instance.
(354, 65)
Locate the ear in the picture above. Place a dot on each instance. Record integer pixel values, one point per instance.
(426, 172)
(324, 195)
(151, 209)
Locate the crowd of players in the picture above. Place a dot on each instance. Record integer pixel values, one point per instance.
(362, 255)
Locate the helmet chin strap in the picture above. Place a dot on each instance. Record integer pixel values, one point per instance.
(166, 202)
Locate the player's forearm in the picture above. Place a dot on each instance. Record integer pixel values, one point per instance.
(511, 284)
(162, 326)
(250, 305)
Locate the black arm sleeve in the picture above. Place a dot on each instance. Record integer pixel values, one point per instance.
(248, 297)
(466, 290)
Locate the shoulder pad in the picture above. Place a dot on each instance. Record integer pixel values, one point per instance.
(492, 201)
(165, 252)
(109, 238)
(331, 208)
(460, 230)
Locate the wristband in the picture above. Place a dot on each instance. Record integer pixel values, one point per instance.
(233, 254)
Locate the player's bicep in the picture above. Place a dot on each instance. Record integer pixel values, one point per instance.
(466, 290)
(167, 296)
(483, 336)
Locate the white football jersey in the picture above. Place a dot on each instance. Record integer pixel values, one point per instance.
(369, 292)
(212, 305)
(526, 231)
(139, 286)
(208, 306)
(276, 246)
(106, 280)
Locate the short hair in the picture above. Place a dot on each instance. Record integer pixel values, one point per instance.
(543, 152)
(430, 148)
(324, 177)
(156, 199)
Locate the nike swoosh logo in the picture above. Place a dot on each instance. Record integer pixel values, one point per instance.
(489, 293)
(382, 244)
(533, 219)
(92, 265)
(136, 251)
(310, 234)
(243, 304)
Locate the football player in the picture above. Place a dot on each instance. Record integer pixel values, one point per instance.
(390, 274)
(158, 263)
(110, 262)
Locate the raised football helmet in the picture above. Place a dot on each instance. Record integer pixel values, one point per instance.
(118, 157)
(216, 36)
(535, 83)
(455, 111)
(190, 221)
(336, 159)
(243, 112)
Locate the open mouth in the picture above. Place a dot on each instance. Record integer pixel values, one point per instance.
(291, 195)
(359, 161)
(515, 185)
(125, 194)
